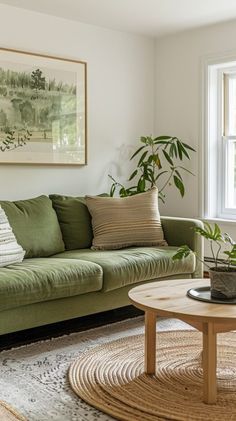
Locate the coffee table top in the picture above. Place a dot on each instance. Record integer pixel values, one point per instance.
(169, 299)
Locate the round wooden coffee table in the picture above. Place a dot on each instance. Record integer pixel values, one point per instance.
(169, 299)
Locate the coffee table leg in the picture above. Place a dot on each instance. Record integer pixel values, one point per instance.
(209, 364)
(150, 342)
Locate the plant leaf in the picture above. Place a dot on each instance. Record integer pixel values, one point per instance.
(161, 196)
(179, 185)
(143, 156)
(179, 150)
(173, 150)
(138, 150)
(168, 157)
(141, 185)
(178, 174)
(163, 137)
(161, 142)
(123, 192)
(209, 233)
(228, 239)
(188, 147)
(217, 231)
(112, 190)
(182, 252)
(133, 175)
(185, 152)
(157, 161)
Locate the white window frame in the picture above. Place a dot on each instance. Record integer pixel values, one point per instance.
(213, 168)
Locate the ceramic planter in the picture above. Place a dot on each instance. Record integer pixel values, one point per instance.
(223, 282)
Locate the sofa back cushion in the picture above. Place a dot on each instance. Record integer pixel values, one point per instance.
(124, 222)
(35, 225)
(74, 219)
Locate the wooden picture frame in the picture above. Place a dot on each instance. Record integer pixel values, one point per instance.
(43, 109)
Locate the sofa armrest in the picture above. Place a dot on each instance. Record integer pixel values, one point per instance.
(179, 232)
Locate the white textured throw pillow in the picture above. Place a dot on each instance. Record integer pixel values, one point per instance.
(10, 250)
(125, 222)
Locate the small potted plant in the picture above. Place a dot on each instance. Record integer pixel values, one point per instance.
(223, 272)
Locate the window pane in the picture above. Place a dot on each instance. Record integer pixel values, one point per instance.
(230, 181)
(231, 105)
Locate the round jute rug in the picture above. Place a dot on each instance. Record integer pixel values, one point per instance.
(111, 378)
(7, 413)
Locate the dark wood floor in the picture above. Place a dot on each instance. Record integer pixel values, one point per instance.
(64, 328)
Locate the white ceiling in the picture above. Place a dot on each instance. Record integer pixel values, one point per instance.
(149, 17)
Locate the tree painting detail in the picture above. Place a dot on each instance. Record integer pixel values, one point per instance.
(10, 142)
(40, 112)
(37, 80)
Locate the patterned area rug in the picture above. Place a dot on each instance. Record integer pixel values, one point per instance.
(34, 380)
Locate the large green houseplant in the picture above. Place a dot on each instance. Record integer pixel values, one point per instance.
(159, 163)
(223, 272)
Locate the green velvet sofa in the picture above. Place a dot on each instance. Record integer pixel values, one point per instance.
(61, 278)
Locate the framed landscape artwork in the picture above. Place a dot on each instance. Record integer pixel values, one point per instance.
(42, 109)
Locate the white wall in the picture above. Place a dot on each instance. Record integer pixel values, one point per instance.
(120, 99)
(178, 101)
(125, 73)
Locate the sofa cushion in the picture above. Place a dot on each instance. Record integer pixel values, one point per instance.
(10, 250)
(44, 279)
(35, 225)
(135, 264)
(74, 219)
(124, 222)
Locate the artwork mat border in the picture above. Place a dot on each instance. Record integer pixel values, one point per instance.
(48, 56)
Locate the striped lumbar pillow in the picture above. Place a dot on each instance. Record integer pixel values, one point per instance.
(124, 222)
(10, 250)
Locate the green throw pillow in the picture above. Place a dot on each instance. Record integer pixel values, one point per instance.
(75, 221)
(35, 225)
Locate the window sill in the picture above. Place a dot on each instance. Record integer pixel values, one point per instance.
(219, 220)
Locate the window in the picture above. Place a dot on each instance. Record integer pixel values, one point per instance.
(229, 139)
(220, 132)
